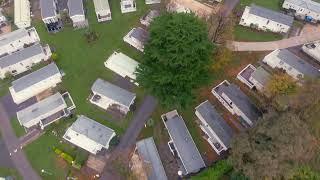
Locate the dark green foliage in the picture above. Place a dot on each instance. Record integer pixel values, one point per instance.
(114, 141)
(216, 172)
(237, 176)
(81, 157)
(176, 59)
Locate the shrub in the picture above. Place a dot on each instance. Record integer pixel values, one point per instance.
(54, 56)
(57, 151)
(67, 157)
(91, 36)
(114, 141)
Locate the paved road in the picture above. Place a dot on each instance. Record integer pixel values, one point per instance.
(12, 143)
(5, 159)
(269, 46)
(129, 138)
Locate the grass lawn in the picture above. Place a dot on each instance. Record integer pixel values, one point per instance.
(242, 33)
(5, 172)
(17, 128)
(4, 87)
(270, 4)
(41, 156)
(83, 62)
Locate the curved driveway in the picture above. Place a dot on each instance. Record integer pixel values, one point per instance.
(13, 145)
(272, 45)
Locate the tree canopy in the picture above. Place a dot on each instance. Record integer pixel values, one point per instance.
(283, 145)
(281, 84)
(176, 58)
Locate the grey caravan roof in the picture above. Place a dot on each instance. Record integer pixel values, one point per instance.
(47, 8)
(271, 15)
(113, 92)
(20, 55)
(261, 75)
(75, 7)
(149, 153)
(184, 144)
(307, 4)
(216, 122)
(140, 34)
(241, 100)
(93, 130)
(40, 108)
(298, 63)
(6, 39)
(35, 77)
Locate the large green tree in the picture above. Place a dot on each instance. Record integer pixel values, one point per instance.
(176, 58)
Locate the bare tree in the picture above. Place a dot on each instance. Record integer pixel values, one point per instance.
(220, 28)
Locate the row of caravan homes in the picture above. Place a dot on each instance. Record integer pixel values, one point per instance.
(51, 14)
(294, 66)
(20, 50)
(216, 131)
(103, 11)
(45, 109)
(269, 20)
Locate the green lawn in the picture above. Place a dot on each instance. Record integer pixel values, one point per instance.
(17, 128)
(6, 172)
(270, 4)
(83, 62)
(4, 87)
(41, 156)
(242, 33)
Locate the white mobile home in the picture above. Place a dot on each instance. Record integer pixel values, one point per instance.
(128, 6)
(254, 77)
(35, 83)
(137, 38)
(76, 13)
(89, 135)
(22, 18)
(147, 153)
(44, 112)
(148, 18)
(153, 1)
(17, 40)
(181, 144)
(109, 96)
(49, 11)
(122, 65)
(218, 132)
(292, 64)
(265, 19)
(21, 61)
(236, 102)
(102, 9)
(304, 9)
(312, 49)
